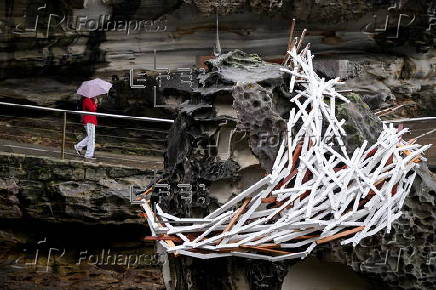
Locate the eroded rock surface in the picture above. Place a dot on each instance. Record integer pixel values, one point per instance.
(68, 191)
(79, 218)
(404, 258)
(361, 124)
(256, 112)
(405, 80)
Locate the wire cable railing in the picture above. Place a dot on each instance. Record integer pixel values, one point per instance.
(78, 123)
(89, 113)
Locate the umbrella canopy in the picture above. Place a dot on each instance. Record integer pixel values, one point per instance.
(94, 87)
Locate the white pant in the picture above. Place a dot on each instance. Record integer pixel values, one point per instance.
(88, 141)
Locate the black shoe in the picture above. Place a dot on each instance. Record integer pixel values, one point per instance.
(77, 150)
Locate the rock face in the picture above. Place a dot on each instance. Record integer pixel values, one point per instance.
(403, 259)
(53, 191)
(360, 123)
(71, 224)
(216, 146)
(218, 150)
(265, 126)
(225, 168)
(209, 142)
(384, 80)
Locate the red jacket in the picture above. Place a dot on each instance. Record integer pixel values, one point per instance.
(88, 104)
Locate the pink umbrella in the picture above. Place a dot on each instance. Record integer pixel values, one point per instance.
(94, 88)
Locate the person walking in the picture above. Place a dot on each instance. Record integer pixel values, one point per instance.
(90, 90)
(89, 121)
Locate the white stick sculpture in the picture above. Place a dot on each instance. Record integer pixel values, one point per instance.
(315, 193)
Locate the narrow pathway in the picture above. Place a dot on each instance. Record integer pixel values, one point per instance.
(134, 161)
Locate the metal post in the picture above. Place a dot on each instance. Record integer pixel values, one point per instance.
(64, 129)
